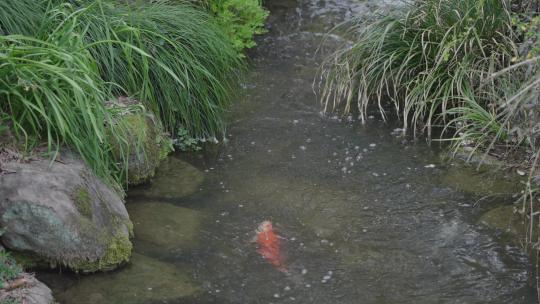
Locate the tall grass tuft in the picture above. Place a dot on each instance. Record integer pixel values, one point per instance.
(427, 60)
(190, 74)
(51, 91)
(21, 16)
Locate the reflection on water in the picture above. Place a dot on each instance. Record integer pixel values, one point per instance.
(368, 218)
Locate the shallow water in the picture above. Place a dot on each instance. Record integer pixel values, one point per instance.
(366, 218)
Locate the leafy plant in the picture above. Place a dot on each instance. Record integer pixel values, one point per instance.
(241, 20)
(185, 142)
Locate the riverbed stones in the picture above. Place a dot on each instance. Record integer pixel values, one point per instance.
(62, 213)
(31, 291)
(162, 228)
(174, 179)
(143, 280)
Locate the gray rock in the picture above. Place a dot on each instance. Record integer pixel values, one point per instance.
(63, 214)
(31, 292)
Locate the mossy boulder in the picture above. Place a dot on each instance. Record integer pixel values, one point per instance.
(63, 214)
(174, 179)
(161, 228)
(143, 280)
(144, 140)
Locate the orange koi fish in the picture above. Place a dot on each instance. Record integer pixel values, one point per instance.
(269, 245)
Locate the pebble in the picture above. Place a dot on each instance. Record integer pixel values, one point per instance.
(252, 143)
(240, 206)
(375, 174)
(308, 285)
(303, 148)
(287, 288)
(364, 230)
(330, 272)
(372, 145)
(327, 277)
(429, 166)
(295, 121)
(276, 295)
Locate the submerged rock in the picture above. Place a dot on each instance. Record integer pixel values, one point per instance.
(480, 182)
(26, 289)
(145, 142)
(506, 219)
(143, 280)
(63, 214)
(161, 228)
(174, 179)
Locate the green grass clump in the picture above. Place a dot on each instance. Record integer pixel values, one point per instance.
(9, 269)
(51, 91)
(190, 74)
(427, 60)
(61, 61)
(21, 16)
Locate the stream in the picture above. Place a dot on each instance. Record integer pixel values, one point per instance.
(368, 217)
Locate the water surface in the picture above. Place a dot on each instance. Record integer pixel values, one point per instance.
(367, 217)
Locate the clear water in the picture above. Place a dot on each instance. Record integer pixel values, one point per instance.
(356, 203)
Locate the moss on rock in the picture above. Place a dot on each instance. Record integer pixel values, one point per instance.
(83, 201)
(118, 252)
(145, 143)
